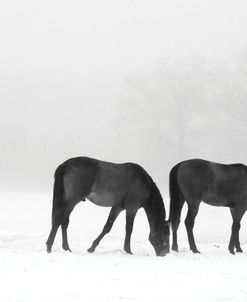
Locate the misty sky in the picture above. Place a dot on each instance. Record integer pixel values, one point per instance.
(63, 65)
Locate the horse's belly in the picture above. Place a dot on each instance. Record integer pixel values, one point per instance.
(218, 202)
(104, 199)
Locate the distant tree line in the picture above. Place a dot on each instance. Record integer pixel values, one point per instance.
(193, 107)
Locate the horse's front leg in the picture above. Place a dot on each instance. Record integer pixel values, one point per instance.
(130, 216)
(107, 227)
(193, 208)
(234, 240)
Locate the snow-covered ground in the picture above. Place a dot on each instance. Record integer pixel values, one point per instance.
(29, 274)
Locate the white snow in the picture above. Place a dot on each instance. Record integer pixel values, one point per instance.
(29, 274)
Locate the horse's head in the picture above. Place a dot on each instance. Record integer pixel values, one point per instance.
(160, 241)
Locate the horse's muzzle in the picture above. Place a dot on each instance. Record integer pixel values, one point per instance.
(161, 250)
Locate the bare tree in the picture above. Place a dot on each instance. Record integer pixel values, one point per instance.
(192, 107)
(166, 102)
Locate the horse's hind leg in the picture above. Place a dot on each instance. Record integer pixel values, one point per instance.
(130, 216)
(64, 227)
(61, 217)
(51, 237)
(107, 227)
(175, 223)
(234, 240)
(65, 224)
(193, 208)
(56, 222)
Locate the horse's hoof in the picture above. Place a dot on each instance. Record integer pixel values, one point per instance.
(91, 250)
(175, 249)
(129, 252)
(231, 249)
(239, 250)
(48, 249)
(195, 251)
(66, 248)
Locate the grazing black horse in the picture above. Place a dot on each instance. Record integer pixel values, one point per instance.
(216, 184)
(119, 186)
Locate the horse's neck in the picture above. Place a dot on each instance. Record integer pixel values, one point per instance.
(155, 211)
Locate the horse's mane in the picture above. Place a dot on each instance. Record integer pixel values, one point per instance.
(157, 201)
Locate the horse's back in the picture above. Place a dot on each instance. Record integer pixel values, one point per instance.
(194, 175)
(211, 182)
(103, 183)
(118, 183)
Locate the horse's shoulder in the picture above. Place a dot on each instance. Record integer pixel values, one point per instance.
(134, 167)
(239, 166)
(137, 171)
(240, 169)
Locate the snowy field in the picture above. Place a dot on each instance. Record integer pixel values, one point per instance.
(29, 274)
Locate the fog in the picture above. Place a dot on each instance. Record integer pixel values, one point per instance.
(153, 82)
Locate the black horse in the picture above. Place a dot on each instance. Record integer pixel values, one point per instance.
(216, 184)
(119, 186)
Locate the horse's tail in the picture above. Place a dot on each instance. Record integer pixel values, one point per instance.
(176, 201)
(58, 191)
